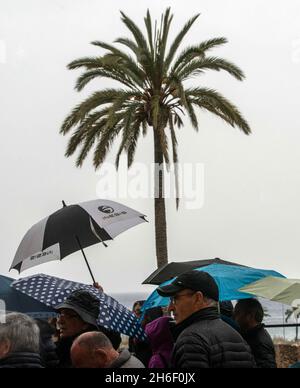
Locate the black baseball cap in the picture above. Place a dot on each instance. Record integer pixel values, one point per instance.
(193, 280)
(86, 305)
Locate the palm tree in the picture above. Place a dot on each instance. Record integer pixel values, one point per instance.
(153, 96)
(293, 312)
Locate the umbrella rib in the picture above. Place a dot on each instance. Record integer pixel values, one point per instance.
(96, 234)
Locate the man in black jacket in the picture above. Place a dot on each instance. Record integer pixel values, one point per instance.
(19, 342)
(203, 340)
(249, 315)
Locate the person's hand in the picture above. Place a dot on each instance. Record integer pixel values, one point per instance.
(97, 285)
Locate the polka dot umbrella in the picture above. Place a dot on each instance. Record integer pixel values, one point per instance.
(52, 291)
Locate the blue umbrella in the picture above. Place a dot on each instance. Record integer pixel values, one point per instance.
(16, 301)
(229, 279)
(52, 291)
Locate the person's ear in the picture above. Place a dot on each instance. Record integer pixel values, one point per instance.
(199, 297)
(4, 348)
(101, 358)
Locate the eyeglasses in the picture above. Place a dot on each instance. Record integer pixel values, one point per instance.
(174, 299)
(68, 315)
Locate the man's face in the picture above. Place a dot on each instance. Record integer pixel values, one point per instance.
(184, 304)
(70, 323)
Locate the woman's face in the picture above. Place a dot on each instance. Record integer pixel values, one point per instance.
(137, 310)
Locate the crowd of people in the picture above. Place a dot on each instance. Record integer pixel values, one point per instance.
(195, 331)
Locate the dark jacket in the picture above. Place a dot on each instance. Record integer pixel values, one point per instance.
(162, 342)
(48, 352)
(21, 360)
(47, 346)
(126, 360)
(140, 349)
(205, 341)
(63, 351)
(262, 346)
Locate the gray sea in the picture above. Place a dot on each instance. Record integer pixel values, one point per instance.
(274, 313)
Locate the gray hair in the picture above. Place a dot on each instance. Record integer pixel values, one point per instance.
(22, 333)
(95, 340)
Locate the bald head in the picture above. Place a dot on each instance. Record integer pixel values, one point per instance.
(93, 350)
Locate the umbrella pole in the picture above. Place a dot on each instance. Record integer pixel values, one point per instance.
(82, 251)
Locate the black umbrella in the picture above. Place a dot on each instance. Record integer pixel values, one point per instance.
(73, 228)
(170, 270)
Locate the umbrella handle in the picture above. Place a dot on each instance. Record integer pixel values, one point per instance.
(82, 251)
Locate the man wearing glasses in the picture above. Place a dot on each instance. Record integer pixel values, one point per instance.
(203, 340)
(77, 315)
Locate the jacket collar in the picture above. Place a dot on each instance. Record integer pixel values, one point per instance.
(254, 330)
(22, 358)
(124, 356)
(207, 314)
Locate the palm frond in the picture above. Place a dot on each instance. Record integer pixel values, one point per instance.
(145, 127)
(80, 112)
(130, 44)
(87, 62)
(162, 43)
(138, 35)
(178, 40)
(90, 75)
(127, 61)
(131, 147)
(192, 115)
(177, 120)
(212, 63)
(177, 90)
(198, 51)
(90, 137)
(128, 119)
(82, 129)
(148, 23)
(105, 142)
(204, 97)
(122, 101)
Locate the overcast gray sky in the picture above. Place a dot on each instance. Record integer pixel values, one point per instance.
(251, 207)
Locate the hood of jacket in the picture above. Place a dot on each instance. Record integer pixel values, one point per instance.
(159, 334)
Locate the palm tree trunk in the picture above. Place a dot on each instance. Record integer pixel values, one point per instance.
(159, 206)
